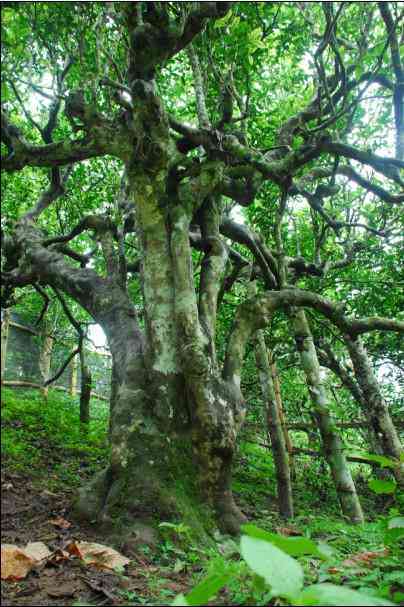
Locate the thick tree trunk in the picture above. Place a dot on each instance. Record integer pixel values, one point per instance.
(160, 467)
(332, 444)
(376, 410)
(174, 420)
(5, 327)
(280, 453)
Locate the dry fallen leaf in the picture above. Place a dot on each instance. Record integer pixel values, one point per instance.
(15, 564)
(363, 558)
(37, 551)
(60, 522)
(98, 555)
(334, 570)
(59, 555)
(288, 531)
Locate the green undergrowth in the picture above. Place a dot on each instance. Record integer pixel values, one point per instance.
(311, 569)
(43, 439)
(254, 484)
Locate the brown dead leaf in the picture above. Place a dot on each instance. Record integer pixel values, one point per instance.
(334, 570)
(73, 549)
(98, 555)
(60, 522)
(15, 564)
(363, 558)
(288, 531)
(58, 556)
(37, 551)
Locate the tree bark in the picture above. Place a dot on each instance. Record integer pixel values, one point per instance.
(174, 420)
(278, 397)
(329, 360)
(5, 327)
(85, 390)
(45, 357)
(333, 447)
(73, 377)
(275, 431)
(376, 409)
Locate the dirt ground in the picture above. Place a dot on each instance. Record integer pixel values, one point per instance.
(27, 512)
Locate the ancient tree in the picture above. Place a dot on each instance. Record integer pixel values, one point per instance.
(196, 108)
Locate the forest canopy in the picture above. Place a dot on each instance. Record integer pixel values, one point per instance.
(219, 186)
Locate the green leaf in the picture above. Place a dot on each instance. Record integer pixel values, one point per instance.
(396, 522)
(398, 597)
(5, 92)
(395, 530)
(206, 589)
(224, 20)
(330, 594)
(180, 600)
(385, 462)
(283, 573)
(380, 487)
(294, 546)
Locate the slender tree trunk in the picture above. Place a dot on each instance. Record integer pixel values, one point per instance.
(85, 390)
(329, 360)
(278, 398)
(5, 327)
(376, 410)
(113, 394)
(45, 357)
(73, 377)
(275, 430)
(333, 447)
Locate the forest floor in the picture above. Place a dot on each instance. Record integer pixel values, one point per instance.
(38, 482)
(45, 458)
(28, 514)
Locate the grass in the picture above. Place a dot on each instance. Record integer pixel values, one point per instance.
(44, 441)
(41, 438)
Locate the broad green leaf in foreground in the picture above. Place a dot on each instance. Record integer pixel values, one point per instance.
(395, 529)
(180, 601)
(295, 546)
(329, 594)
(283, 573)
(396, 523)
(206, 589)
